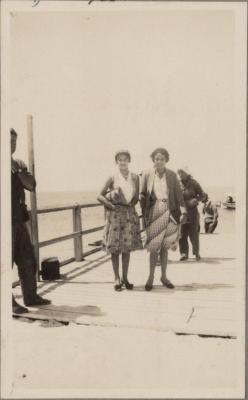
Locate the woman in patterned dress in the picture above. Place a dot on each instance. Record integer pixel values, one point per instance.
(163, 209)
(121, 234)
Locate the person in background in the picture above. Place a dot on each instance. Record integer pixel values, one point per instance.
(162, 205)
(210, 216)
(121, 233)
(192, 194)
(22, 249)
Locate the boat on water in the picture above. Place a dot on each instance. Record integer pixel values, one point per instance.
(230, 203)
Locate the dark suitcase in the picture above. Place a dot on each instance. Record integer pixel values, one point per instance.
(50, 269)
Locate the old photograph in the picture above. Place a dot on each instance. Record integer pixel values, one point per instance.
(123, 199)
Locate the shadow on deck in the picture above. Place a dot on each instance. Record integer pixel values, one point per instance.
(202, 302)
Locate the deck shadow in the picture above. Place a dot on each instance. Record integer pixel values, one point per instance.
(65, 314)
(216, 260)
(203, 260)
(205, 233)
(92, 282)
(203, 286)
(83, 269)
(188, 287)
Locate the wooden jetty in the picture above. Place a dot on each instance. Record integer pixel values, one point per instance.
(204, 301)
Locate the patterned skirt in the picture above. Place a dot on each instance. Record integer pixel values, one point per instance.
(121, 233)
(161, 231)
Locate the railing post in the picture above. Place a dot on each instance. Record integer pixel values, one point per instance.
(33, 200)
(77, 226)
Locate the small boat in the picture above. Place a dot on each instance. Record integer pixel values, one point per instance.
(229, 205)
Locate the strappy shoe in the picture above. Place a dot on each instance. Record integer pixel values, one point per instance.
(167, 284)
(148, 287)
(128, 286)
(117, 287)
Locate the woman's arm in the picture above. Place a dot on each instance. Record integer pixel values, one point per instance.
(143, 192)
(101, 197)
(179, 194)
(135, 198)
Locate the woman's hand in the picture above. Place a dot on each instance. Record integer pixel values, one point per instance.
(102, 199)
(183, 218)
(192, 202)
(109, 206)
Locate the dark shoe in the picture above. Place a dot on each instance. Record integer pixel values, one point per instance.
(118, 287)
(18, 309)
(197, 257)
(167, 284)
(148, 288)
(128, 286)
(38, 301)
(183, 257)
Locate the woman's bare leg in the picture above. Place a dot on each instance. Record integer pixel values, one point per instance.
(115, 264)
(153, 262)
(125, 265)
(164, 260)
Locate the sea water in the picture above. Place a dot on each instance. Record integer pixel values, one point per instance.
(55, 224)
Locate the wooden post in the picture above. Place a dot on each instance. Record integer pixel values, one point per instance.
(77, 226)
(33, 200)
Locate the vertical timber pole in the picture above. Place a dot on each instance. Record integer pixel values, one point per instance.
(77, 227)
(33, 199)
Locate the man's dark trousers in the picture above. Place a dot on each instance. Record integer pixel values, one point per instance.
(191, 230)
(23, 257)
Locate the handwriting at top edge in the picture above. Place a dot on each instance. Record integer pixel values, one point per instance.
(36, 2)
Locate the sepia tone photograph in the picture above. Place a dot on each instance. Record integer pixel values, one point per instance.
(123, 199)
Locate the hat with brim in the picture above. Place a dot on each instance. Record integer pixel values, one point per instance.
(184, 169)
(122, 152)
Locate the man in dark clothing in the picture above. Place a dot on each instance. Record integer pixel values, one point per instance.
(210, 216)
(192, 194)
(22, 249)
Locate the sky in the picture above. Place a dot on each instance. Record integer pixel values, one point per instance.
(96, 82)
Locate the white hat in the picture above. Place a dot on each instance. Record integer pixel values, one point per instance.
(185, 169)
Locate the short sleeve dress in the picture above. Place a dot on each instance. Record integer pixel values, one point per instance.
(121, 232)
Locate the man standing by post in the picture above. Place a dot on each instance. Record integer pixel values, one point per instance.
(22, 249)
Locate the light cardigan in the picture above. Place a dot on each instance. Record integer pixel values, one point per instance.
(175, 195)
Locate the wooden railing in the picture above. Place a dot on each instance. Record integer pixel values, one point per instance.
(76, 235)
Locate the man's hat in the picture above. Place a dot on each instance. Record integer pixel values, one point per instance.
(13, 132)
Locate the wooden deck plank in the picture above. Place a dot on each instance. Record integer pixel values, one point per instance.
(85, 294)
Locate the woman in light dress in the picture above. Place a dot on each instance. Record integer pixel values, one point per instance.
(121, 234)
